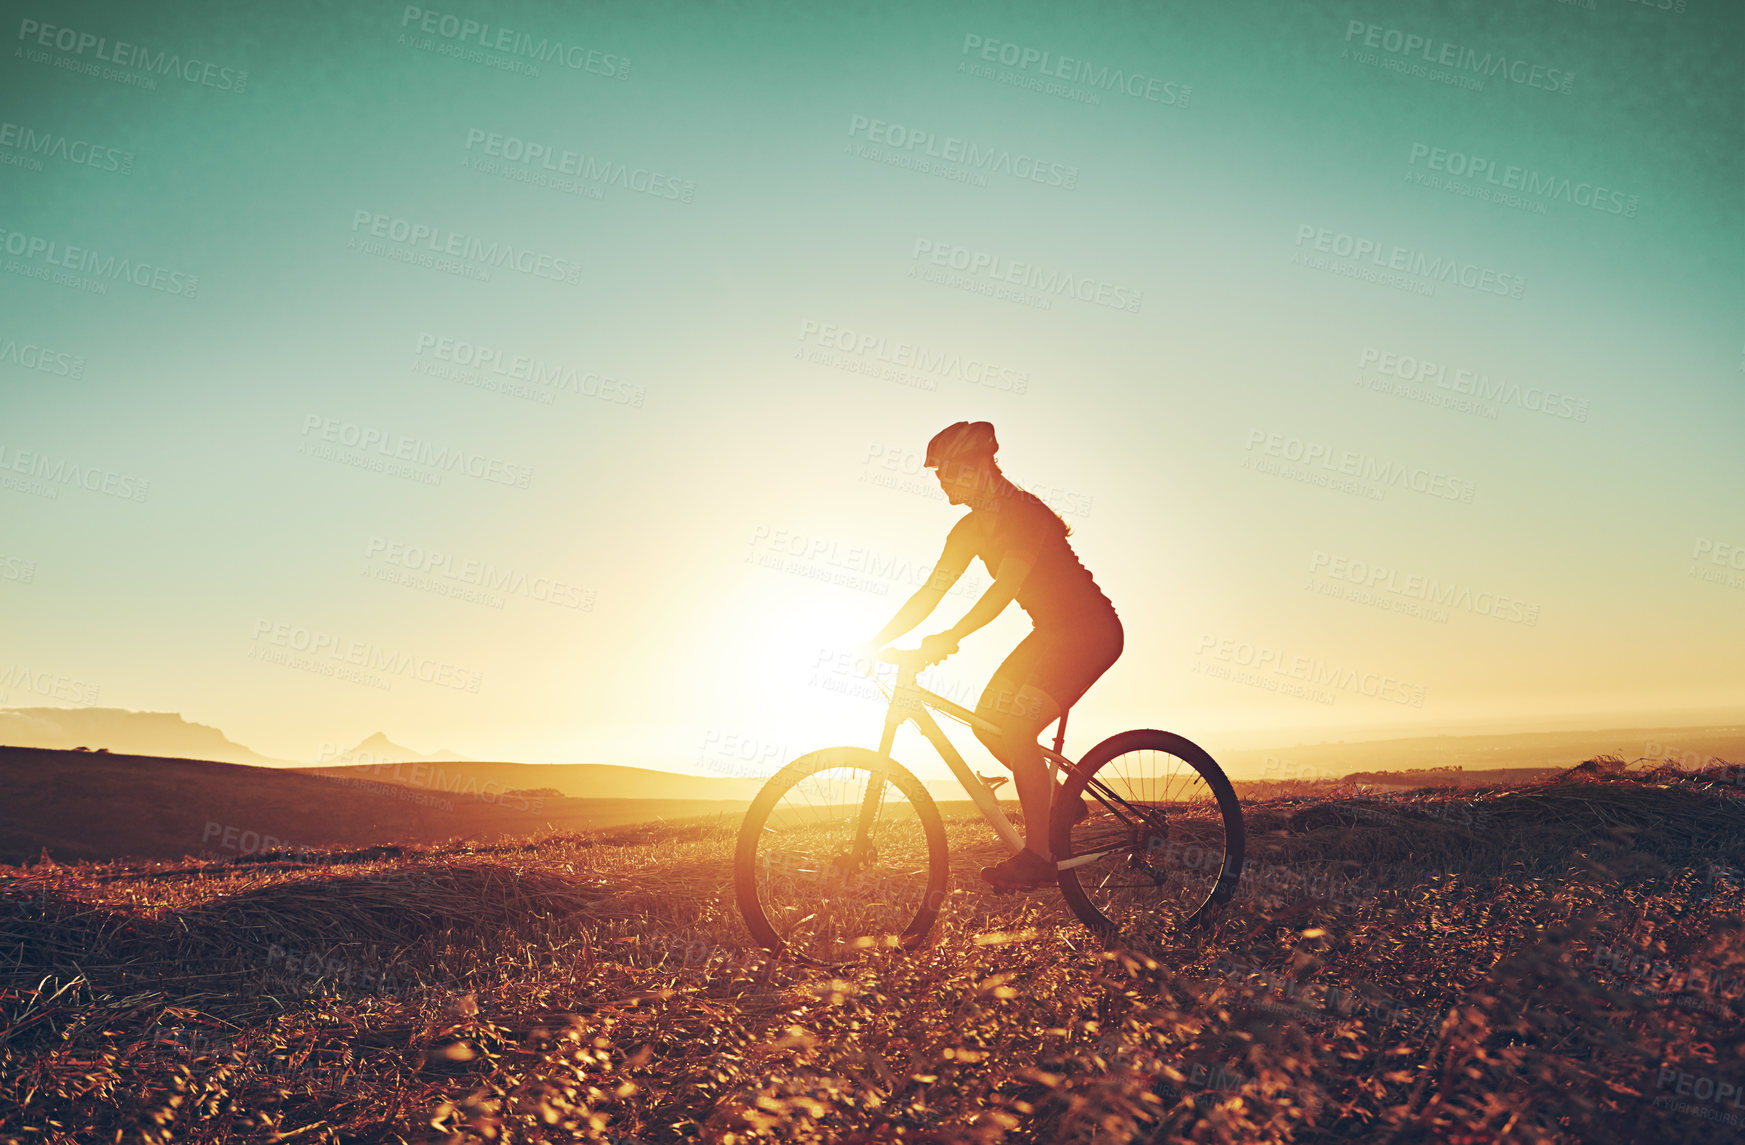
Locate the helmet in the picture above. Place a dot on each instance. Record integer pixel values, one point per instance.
(964, 440)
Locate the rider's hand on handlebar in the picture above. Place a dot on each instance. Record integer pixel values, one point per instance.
(938, 646)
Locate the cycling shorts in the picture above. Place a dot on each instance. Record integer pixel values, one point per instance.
(1061, 659)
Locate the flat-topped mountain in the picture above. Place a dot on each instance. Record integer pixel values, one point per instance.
(125, 731)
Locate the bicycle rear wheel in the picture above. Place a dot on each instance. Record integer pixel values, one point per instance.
(1164, 838)
(842, 851)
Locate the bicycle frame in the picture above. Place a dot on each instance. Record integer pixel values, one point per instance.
(909, 704)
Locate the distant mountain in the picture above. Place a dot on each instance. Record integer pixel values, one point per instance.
(123, 731)
(380, 749)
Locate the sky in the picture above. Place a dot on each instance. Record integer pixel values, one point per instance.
(548, 382)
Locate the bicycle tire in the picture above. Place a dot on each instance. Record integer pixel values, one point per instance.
(880, 769)
(1218, 890)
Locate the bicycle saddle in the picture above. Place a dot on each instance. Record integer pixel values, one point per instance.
(993, 781)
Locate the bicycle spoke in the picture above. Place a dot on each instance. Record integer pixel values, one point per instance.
(1168, 867)
(843, 858)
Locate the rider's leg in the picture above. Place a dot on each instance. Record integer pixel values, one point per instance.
(1028, 711)
(995, 704)
(1026, 695)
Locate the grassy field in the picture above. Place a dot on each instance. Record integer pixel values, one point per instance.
(1561, 961)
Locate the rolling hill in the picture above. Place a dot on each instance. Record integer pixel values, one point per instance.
(95, 806)
(484, 779)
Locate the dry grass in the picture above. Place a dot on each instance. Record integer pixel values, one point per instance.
(1546, 963)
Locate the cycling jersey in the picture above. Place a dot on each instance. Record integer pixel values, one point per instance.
(1059, 590)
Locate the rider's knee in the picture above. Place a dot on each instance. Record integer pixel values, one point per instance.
(1010, 704)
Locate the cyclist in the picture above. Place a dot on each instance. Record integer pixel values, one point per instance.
(1075, 634)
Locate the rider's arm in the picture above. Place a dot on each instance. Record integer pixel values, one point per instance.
(959, 548)
(1004, 590)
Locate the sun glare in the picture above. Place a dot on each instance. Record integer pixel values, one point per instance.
(787, 666)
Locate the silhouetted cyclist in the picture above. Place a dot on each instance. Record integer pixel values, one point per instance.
(1075, 633)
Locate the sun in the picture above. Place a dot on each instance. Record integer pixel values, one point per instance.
(783, 659)
(810, 634)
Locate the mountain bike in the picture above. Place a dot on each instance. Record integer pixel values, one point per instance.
(844, 850)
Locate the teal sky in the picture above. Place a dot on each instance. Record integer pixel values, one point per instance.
(704, 488)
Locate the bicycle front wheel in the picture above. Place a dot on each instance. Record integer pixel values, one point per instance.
(1162, 846)
(841, 852)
